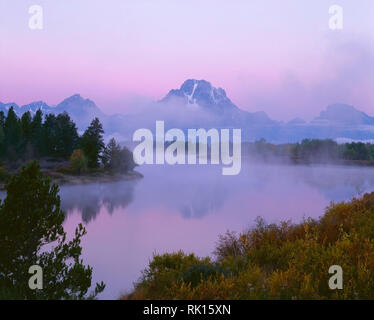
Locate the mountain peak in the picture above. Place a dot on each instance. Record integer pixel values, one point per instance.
(35, 106)
(203, 90)
(344, 114)
(74, 98)
(77, 100)
(201, 93)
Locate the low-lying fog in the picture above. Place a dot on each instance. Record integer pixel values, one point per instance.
(187, 207)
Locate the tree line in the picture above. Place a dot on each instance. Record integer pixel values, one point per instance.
(34, 137)
(313, 150)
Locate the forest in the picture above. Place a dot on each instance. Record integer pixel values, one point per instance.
(312, 150)
(54, 137)
(30, 215)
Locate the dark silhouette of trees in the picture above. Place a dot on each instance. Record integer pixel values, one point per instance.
(12, 131)
(111, 155)
(358, 151)
(37, 126)
(30, 220)
(117, 159)
(312, 150)
(57, 137)
(2, 133)
(30, 137)
(92, 143)
(26, 147)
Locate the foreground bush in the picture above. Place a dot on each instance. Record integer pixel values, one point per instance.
(32, 233)
(275, 261)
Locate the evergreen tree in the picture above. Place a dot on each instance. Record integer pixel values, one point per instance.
(48, 135)
(26, 132)
(92, 143)
(117, 159)
(2, 119)
(66, 139)
(127, 160)
(36, 125)
(30, 221)
(12, 134)
(30, 137)
(2, 134)
(112, 155)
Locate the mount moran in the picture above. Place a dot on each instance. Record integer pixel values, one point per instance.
(197, 104)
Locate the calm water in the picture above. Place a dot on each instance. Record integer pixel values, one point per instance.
(184, 207)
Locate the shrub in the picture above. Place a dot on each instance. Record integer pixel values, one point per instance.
(197, 273)
(78, 161)
(163, 271)
(277, 261)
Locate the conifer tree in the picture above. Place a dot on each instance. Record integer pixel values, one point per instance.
(30, 222)
(92, 143)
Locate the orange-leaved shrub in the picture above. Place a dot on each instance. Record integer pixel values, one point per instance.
(275, 261)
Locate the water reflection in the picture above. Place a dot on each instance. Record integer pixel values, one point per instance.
(199, 191)
(187, 207)
(90, 199)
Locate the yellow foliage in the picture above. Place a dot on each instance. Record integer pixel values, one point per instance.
(283, 261)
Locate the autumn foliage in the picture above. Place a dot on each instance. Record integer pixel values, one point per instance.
(275, 261)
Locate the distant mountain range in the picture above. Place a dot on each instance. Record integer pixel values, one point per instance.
(197, 104)
(81, 110)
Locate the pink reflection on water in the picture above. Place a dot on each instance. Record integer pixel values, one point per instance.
(187, 208)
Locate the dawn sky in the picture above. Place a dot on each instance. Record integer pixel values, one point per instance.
(277, 56)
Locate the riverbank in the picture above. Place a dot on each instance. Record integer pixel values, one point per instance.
(308, 162)
(92, 177)
(60, 173)
(355, 163)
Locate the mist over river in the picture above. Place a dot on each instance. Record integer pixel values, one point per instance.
(187, 207)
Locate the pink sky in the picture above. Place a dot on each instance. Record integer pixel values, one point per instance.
(276, 56)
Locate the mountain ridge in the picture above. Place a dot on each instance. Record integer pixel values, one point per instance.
(207, 106)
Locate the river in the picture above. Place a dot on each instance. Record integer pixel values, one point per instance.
(187, 207)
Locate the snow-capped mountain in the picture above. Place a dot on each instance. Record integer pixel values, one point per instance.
(35, 106)
(4, 107)
(32, 107)
(81, 110)
(197, 104)
(201, 95)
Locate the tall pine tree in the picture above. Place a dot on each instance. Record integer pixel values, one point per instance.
(36, 125)
(12, 134)
(92, 143)
(30, 221)
(66, 136)
(26, 148)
